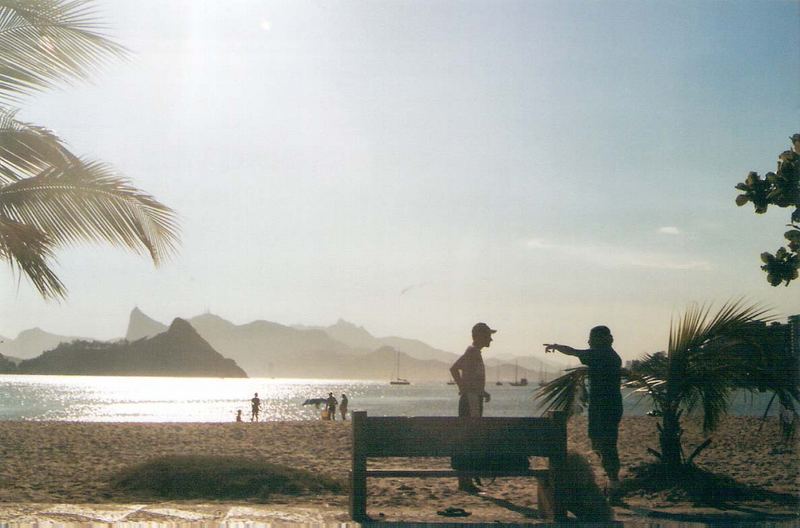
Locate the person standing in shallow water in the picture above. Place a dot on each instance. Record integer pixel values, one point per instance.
(605, 397)
(255, 408)
(469, 373)
(331, 406)
(343, 407)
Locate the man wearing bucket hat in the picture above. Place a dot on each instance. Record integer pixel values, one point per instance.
(469, 373)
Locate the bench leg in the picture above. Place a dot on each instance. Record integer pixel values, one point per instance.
(358, 473)
(358, 496)
(551, 504)
(544, 498)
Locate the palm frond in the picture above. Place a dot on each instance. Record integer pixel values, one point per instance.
(565, 393)
(48, 41)
(87, 201)
(643, 383)
(26, 150)
(703, 362)
(28, 250)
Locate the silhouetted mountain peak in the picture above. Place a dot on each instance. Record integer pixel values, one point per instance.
(182, 326)
(180, 351)
(141, 325)
(211, 321)
(347, 324)
(31, 333)
(352, 335)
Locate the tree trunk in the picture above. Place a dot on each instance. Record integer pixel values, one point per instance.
(670, 439)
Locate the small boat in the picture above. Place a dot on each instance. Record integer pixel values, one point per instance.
(522, 382)
(397, 379)
(498, 382)
(451, 382)
(542, 376)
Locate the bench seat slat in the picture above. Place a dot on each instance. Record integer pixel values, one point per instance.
(446, 473)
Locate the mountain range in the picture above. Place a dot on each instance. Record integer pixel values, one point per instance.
(178, 351)
(267, 349)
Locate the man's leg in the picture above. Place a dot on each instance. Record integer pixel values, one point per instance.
(465, 409)
(605, 445)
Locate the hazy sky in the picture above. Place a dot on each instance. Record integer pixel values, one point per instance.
(415, 167)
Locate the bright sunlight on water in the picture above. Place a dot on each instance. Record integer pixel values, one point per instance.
(160, 399)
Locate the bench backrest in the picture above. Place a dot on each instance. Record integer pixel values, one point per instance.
(400, 436)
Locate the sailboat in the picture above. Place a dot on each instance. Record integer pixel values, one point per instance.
(542, 376)
(397, 379)
(522, 382)
(498, 382)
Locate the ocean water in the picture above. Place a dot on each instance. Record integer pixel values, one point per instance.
(150, 399)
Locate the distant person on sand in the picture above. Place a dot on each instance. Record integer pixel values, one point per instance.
(255, 408)
(605, 397)
(238, 415)
(786, 418)
(331, 406)
(469, 373)
(343, 407)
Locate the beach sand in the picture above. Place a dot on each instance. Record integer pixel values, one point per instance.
(73, 463)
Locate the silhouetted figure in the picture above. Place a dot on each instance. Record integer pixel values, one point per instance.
(239, 415)
(786, 419)
(331, 406)
(343, 407)
(469, 373)
(605, 397)
(255, 408)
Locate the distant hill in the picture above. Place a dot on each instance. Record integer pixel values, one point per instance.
(7, 365)
(180, 351)
(263, 348)
(358, 338)
(266, 349)
(342, 350)
(140, 325)
(31, 343)
(351, 335)
(418, 349)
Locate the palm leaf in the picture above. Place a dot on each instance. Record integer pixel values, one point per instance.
(48, 41)
(87, 201)
(27, 250)
(26, 150)
(565, 393)
(703, 365)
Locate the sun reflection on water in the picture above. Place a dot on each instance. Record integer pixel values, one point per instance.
(152, 399)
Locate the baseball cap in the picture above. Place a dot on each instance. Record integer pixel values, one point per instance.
(482, 328)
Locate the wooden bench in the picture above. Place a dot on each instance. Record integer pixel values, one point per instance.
(398, 436)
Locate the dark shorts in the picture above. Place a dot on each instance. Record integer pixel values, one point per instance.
(604, 424)
(463, 405)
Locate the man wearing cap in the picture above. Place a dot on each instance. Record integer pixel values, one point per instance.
(469, 373)
(605, 397)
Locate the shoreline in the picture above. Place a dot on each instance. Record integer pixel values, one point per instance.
(73, 462)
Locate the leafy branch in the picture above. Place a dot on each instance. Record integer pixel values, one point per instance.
(782, 189)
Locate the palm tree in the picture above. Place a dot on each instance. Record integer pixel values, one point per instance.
(49, 197)
(707, 359)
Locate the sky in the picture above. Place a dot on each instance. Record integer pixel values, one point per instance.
(415, 167)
